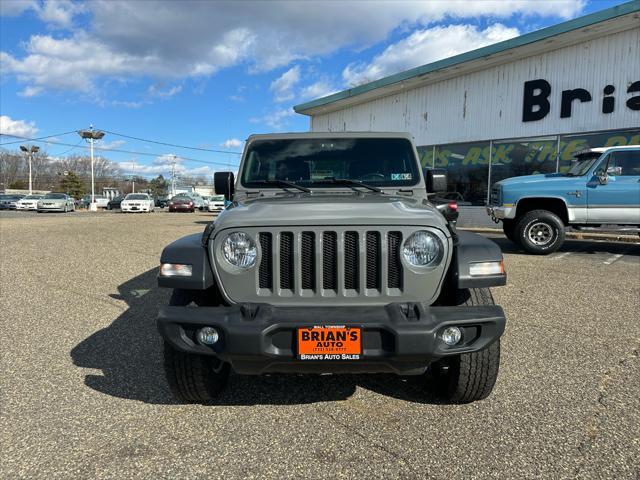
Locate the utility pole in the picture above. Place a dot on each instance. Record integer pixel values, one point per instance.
(173, 175)
(133, 177)
(91, 135)
(29, 150)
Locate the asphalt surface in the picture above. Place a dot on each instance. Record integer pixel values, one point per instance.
(83, 393)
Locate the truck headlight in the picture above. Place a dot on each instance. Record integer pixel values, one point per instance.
(422, 249)
(239, 250)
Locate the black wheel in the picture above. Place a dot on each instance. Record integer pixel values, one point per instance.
(540, 232)
(509, 229)
(470, 376)
(109, 206)
(194, 378)
(66, 209)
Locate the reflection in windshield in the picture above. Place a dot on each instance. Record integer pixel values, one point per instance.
(580, 167)
(389, 162)
(137, 196)
(56, 196)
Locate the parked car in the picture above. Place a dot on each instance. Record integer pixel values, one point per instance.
(9, 202)
(115, 202)
(216, 203)
(30, 202)
(161, 202)
(100, 200)
(56, 202)
(181, 203)
(137, 202)
(602, 187)
(198, 201)
(311, 273)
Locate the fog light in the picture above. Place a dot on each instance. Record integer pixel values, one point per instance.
(208, 336)
(451, 335)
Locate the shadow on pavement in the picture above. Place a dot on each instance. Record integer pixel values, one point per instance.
(128, 354)
(577, 246)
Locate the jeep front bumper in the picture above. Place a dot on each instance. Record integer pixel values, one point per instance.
(399, 338)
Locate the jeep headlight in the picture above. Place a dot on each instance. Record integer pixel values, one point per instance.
(422, 249)
(239, 250)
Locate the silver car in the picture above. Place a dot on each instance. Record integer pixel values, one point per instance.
(56, 202)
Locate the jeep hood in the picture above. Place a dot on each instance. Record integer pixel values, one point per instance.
(327, 209)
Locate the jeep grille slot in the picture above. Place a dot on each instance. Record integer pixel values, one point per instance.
(265, 272)
(329, 260)
(373, 261)
(307, 254)
(351, 259)
(394, 266)
(286, 261)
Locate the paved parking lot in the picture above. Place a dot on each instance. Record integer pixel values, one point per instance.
(83, 393)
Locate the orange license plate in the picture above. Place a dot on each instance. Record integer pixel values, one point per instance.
(329, 343)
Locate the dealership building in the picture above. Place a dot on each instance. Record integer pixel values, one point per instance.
(518, 107)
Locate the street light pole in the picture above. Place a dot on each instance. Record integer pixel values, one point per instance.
(29, 151)
(133, 177)
(91, 135)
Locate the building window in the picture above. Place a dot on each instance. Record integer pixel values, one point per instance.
(467, 166)
(515, 158)
(571, 144)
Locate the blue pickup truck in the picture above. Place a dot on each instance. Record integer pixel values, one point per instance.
(602, 187)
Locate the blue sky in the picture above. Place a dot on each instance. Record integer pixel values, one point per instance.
(208, 74)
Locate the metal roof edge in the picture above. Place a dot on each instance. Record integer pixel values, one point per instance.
(531, 37)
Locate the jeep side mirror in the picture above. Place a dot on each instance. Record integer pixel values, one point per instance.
(436, 179)
(224, 183)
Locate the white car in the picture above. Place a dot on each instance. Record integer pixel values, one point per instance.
(137, 202)
(216, 203)
(30, 202)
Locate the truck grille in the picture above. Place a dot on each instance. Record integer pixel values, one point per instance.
(494, 196)
(330, 263)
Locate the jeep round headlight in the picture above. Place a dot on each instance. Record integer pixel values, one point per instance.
(239, 250)
(422, 249)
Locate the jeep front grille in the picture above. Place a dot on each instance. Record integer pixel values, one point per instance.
(349, 263)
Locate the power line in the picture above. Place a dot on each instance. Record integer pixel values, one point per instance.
(32, 139)
(169, 144)
(131, 152)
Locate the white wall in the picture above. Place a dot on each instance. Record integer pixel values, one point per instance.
(493, 105)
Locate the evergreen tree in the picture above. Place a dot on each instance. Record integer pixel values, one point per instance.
(158, 186)
(72, 185)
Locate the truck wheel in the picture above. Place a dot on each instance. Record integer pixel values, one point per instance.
(469, 376)
(193, 378)
(540, 232)
(509, 229)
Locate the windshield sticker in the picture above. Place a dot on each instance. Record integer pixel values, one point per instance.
(401, 176)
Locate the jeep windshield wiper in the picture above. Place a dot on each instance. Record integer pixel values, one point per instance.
(282, 183)
(351, 183)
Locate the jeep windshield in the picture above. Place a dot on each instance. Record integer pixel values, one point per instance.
(327, 162)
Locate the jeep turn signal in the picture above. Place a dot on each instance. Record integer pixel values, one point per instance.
(175, 270)
(486, 268)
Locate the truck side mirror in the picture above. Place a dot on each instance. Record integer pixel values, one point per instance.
(224, 183)
(436, 179)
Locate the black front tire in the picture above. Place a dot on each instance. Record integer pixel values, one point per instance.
(194, 378)
(468, 377)
(509, 229)
(540, 232)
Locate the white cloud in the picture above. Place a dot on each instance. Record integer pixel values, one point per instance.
(318, 89)
(425, 46)
(21, 128)
(275, 120)
(282, 87)
(157, 91)
(232, 143)
(143, 169)
(111, 145)
(12, 8)
(176, 40)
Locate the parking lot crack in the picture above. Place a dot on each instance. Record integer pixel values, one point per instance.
(398, 457)
(593, 425)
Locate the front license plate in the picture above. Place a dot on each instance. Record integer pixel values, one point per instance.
(329, 343)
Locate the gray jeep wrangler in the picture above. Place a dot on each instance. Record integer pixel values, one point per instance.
(330, 258)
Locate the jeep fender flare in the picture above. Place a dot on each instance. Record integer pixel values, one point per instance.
(472, 248)
(188, 250)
